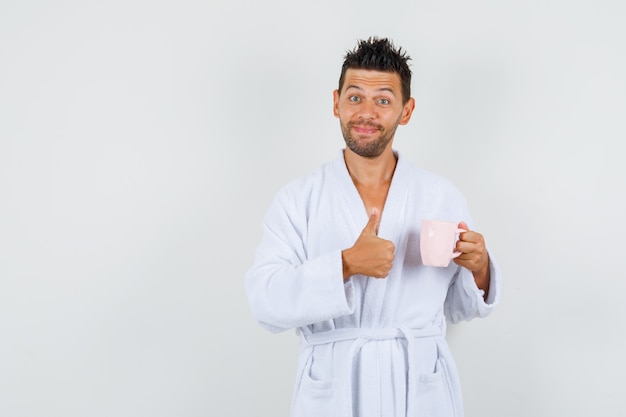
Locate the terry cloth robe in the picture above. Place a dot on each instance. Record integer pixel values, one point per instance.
(369, 347)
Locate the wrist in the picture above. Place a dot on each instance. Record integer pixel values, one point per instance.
(347, 272)
(482, 278)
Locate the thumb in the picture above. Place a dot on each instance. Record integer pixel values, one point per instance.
(371, 227)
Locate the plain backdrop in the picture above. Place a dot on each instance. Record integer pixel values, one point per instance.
(142, 141)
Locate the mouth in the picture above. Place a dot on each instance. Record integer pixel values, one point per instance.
(365, 129)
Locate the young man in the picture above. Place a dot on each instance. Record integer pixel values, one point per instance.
(340, 261)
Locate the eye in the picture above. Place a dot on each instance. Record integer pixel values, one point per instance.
(354, 99)
(384, 101)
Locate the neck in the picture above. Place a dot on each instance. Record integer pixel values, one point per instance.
(371, 171)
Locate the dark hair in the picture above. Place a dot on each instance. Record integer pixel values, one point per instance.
(380, 55)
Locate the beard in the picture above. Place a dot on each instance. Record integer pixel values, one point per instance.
(372, 148)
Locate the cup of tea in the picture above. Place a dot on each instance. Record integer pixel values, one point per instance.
(437, 242)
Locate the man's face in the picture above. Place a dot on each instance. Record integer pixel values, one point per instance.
(369, 109)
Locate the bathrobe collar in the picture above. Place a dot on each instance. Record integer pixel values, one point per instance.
(394, 205)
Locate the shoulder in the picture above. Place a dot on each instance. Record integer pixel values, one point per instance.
(293, 202)
(429, 181)
(300, 190)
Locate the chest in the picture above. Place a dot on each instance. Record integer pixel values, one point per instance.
(373, 196)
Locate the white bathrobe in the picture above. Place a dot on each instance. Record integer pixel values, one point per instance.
(369, 347)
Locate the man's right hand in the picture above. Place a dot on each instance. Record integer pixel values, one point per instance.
(370, 255)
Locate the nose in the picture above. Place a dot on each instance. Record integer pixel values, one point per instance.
(367, 110)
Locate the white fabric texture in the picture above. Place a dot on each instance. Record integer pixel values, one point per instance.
(370, 347)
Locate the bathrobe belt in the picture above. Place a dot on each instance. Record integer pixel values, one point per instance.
(360, 336)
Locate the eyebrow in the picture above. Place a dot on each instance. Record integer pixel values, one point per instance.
(389, 89)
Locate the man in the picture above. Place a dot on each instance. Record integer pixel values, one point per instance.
(340, 261)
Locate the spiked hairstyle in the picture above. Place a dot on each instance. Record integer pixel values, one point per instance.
(380, 55)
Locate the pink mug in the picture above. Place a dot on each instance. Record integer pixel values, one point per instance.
(437, 241)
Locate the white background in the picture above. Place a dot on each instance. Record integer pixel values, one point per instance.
(141, 143)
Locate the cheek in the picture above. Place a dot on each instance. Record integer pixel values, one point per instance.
(389, 120)
(344, 114)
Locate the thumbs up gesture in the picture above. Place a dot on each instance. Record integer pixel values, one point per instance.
(370, 255)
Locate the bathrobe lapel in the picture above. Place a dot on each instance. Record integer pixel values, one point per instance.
(394, 206)
(392, 216)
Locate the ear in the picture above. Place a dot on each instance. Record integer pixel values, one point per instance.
(407, 111)
(336, 103)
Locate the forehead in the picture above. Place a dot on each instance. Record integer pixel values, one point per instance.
(372, 79)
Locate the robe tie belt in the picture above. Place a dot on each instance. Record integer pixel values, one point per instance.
(360, 336)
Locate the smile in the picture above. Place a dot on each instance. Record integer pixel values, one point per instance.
(365, 129)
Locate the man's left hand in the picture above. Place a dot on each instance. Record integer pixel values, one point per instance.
(474, 257)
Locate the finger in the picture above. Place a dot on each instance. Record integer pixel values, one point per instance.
(470, 243)
(464, 246)
(371, 227)
(472, 237)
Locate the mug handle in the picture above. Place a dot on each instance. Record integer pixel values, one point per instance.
(458, 253)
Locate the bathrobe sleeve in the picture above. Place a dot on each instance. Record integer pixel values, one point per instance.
(465, 300)
(285, 288)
